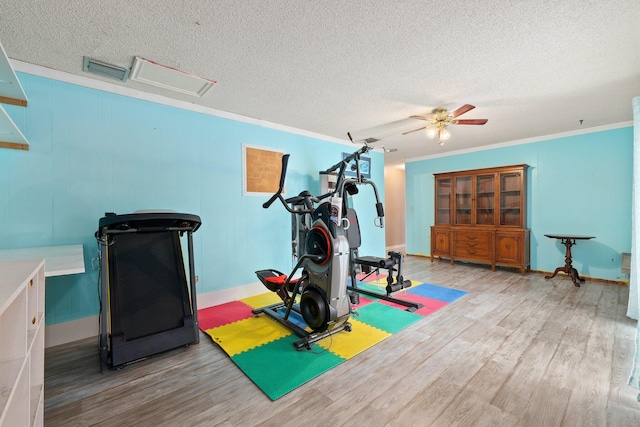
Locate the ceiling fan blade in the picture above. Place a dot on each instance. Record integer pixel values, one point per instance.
(415, 130)
(427, 119)
(462, 110)
(471, 122)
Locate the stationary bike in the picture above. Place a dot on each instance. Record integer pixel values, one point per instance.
(324, 257)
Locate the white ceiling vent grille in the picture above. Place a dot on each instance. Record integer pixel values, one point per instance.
(151, 73)
(103, 69)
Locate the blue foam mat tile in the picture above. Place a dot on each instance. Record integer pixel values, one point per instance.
(437, 292)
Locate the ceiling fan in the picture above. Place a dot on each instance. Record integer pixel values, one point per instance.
(441, 118)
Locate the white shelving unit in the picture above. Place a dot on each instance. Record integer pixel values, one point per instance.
(11, 92)
(22, 337)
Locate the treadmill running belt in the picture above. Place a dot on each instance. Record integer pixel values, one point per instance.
(147, 277)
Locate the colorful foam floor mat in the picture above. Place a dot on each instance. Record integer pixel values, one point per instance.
(264, 349)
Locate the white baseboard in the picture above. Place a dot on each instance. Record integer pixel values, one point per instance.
(66, 332)
(62, 333)
(227, 295)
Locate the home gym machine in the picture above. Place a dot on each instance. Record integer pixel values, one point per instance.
(346, 188)
(370, 265)
(322, 252)
(146, 304)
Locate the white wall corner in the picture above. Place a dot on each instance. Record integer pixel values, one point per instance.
(397, 248)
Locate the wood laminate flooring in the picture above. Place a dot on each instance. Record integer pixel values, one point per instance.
(515, 351)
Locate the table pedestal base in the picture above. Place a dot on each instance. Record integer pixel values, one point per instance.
(568, 268)
(575, 277)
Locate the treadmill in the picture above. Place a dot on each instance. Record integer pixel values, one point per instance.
(147, 299)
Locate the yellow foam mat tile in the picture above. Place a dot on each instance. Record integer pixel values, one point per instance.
(348, 344)
(379, 281)
(247, 334)
(262, 300)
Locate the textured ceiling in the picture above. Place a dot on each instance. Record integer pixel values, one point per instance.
(532, 68)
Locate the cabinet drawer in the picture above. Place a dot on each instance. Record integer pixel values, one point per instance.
(471, 244)
(478, 237)
(471, 250)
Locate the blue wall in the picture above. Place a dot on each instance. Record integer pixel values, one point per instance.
(93, 152)
(576, 185)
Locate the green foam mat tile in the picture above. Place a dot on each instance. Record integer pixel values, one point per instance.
(387, 318)
(277, 368)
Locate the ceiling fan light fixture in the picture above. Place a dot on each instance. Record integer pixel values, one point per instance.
(440, 119)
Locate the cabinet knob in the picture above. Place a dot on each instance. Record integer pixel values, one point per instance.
(33, 321)
(31, 282)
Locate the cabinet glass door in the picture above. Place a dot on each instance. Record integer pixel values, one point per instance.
(443, 201)
(510, 199)
(485, 200)
(462, 213)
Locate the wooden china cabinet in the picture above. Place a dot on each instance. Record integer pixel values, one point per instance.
(480, 216)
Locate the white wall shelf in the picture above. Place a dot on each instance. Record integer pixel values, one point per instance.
(11, 92)
(10, 135)
(60, 260)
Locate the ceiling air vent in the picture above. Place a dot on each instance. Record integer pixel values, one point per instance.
(103, 69)
(155, 74)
